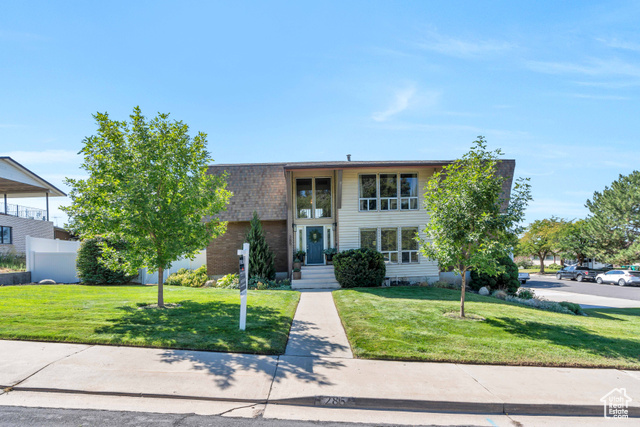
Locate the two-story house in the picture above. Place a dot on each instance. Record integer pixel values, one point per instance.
(313, 206)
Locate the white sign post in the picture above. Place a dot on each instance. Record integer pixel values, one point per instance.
(244, 280)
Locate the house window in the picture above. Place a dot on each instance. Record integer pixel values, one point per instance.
(323, 197)
(368, 193)
(304, 199)
(397, 245)
(368, 238)
(409, 245)
(389, 244)
(388, 192)
(313, 198)
(409, 191)
(5, 235)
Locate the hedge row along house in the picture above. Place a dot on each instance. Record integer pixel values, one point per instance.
(312, 206)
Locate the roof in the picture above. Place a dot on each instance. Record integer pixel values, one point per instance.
(18, 181)
(345, 164)
(262, 187)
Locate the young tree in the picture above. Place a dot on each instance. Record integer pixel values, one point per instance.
(574, 241)
(261, 262)
(471, 225)
(147, 186)
(614, 223)
(541, 238)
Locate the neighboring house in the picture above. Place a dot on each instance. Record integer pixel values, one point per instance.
(313, 206)
(17, 221)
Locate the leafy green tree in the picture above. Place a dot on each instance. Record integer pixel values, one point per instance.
(574, 241)
(541, 238)
(148, 187)
(614, 223)
(471, 224)
(261, 259)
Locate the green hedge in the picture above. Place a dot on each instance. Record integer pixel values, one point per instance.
(507, 281)
(359, 268)
(190, 278)
(91, 271)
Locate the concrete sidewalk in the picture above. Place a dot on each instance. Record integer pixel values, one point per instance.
(240, 381)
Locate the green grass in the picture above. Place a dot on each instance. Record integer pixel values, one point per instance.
(410, 323)
(207, 320)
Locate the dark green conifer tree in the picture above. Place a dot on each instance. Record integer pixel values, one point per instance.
(261, 259)
(614, 223)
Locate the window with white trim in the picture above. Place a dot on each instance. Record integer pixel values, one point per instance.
(389, 244)
(409, 245)
(368, 193)
(313, 198)
(398, 245)
(388, 192)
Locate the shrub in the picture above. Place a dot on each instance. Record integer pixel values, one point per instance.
(445, 285)
(190, 278)
(500, 294)
(230, 281)
(507, 281)
(92, 270)
(524, 263)
(11, 260)
(554, 266)
(359, 268)
(541, 304)
(261, 262)
(526, 294)
(574, 308)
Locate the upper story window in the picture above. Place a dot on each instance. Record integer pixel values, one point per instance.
(313, 198)
(388, 192)
(5, 235)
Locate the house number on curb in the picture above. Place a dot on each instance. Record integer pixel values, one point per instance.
(243, 278)
(335, 401)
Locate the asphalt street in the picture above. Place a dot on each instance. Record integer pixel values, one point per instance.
(587, 288)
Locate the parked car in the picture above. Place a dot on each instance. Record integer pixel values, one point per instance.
(575, 272)
(621, 277)
(523, 277)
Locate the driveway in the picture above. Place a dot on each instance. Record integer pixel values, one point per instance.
(587, 294)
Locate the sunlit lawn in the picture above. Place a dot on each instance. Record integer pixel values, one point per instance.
(409, 323)
(207, 319)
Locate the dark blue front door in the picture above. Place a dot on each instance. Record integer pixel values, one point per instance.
(315, 245)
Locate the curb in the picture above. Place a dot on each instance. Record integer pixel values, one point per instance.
(500, 408)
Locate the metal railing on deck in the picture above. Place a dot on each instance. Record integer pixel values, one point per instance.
(22, 211)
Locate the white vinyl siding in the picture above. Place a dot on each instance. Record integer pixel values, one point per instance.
(351, 220)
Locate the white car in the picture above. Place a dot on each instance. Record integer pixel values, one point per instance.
(621, 277)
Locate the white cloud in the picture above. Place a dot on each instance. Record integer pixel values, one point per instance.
(463, 48)
(44, 157)
(620, 44)
(598, 97)
(401, 102)
(594, 67)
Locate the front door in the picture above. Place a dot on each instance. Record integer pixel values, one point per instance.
(315, 245)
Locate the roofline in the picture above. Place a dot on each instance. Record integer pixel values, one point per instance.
(348, 164)
(24, 169)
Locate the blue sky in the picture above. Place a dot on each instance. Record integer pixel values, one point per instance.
(555, 85)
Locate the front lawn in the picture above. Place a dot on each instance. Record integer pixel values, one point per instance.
(206, 320)
(410, 323)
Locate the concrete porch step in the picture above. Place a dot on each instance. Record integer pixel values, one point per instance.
(316, 277)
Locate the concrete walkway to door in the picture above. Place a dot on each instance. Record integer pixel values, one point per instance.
(316, 330)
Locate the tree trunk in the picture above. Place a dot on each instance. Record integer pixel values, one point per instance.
(462, 289)
(160, 289)
(542, 257)
(580, 260)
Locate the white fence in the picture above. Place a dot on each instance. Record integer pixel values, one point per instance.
(52, 259)
(56, 260)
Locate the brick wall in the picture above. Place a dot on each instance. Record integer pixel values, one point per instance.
(222, 255)
(22, 227)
